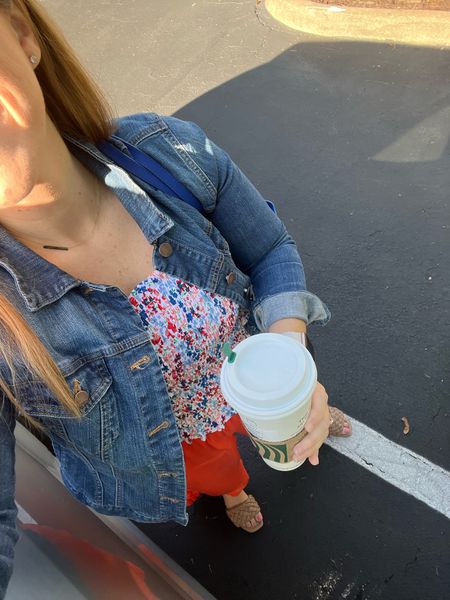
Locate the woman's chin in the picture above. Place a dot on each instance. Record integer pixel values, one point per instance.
(14, 197)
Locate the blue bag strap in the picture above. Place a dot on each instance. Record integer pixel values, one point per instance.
(150, 171)
(271, 205)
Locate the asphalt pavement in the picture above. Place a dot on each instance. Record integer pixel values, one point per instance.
(351, 140)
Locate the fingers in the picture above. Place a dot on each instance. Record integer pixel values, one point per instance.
(310, 450)
(319, 408)
(317, 427)
(314, 458)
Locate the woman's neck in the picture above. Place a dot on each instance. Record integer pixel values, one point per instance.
(62, 207)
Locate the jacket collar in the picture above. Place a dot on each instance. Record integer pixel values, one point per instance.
(39, 282)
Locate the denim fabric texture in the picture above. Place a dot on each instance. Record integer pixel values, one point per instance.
(8, 512)
(123, 457)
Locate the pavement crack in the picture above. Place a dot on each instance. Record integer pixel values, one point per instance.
(437, 413)
(369, 464)
(259, 7)
(414, 560)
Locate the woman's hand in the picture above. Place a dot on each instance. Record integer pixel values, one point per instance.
(318, 423)
(317, 426)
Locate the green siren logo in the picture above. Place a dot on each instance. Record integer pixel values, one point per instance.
(276, 452)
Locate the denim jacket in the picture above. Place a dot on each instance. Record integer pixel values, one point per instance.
(124, 457)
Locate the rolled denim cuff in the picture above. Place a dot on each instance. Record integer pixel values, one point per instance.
(291, 305)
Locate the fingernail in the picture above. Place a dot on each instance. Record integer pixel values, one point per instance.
(259, 517)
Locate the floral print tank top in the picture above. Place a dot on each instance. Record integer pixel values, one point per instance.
(188, 327)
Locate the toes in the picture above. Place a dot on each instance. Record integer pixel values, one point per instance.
(256, 521)
(346, 428)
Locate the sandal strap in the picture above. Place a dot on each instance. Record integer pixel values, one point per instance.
(241, 514)
(339, 420)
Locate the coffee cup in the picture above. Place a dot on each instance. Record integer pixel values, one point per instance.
(269, 380)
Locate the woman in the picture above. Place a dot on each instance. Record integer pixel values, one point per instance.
(116, 298)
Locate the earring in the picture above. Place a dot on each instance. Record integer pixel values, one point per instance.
(34, 59)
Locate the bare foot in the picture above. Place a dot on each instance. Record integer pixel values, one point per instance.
(231, 501)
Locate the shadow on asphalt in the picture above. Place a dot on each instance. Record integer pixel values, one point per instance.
(351, 140)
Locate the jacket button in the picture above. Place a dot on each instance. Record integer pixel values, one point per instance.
(230, 278)
(165, 249)
(81, 397)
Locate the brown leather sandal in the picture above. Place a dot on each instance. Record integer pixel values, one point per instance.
(338, 422)
(243, 513)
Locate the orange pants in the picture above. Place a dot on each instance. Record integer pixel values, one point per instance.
(214, 467)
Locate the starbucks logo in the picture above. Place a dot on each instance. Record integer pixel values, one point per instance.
(276, 452)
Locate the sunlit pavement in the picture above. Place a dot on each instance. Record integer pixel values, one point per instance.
(396, 21)
(351, 140)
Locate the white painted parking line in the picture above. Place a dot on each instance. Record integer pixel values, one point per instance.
(401, 467)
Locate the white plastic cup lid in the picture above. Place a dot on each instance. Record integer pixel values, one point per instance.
(271, 375)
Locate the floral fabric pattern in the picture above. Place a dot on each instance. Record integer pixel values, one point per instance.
(188, 327)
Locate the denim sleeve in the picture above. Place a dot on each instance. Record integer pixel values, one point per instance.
(8, 511)
(259, 242)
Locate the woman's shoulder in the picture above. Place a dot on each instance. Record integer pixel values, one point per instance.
(133, 128)
(138, 127)
(180, 146)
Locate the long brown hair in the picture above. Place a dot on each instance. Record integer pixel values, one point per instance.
(77, 107)
(17, 339)
(73, 101)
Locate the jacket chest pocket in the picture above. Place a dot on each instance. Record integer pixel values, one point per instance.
(95, 431)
